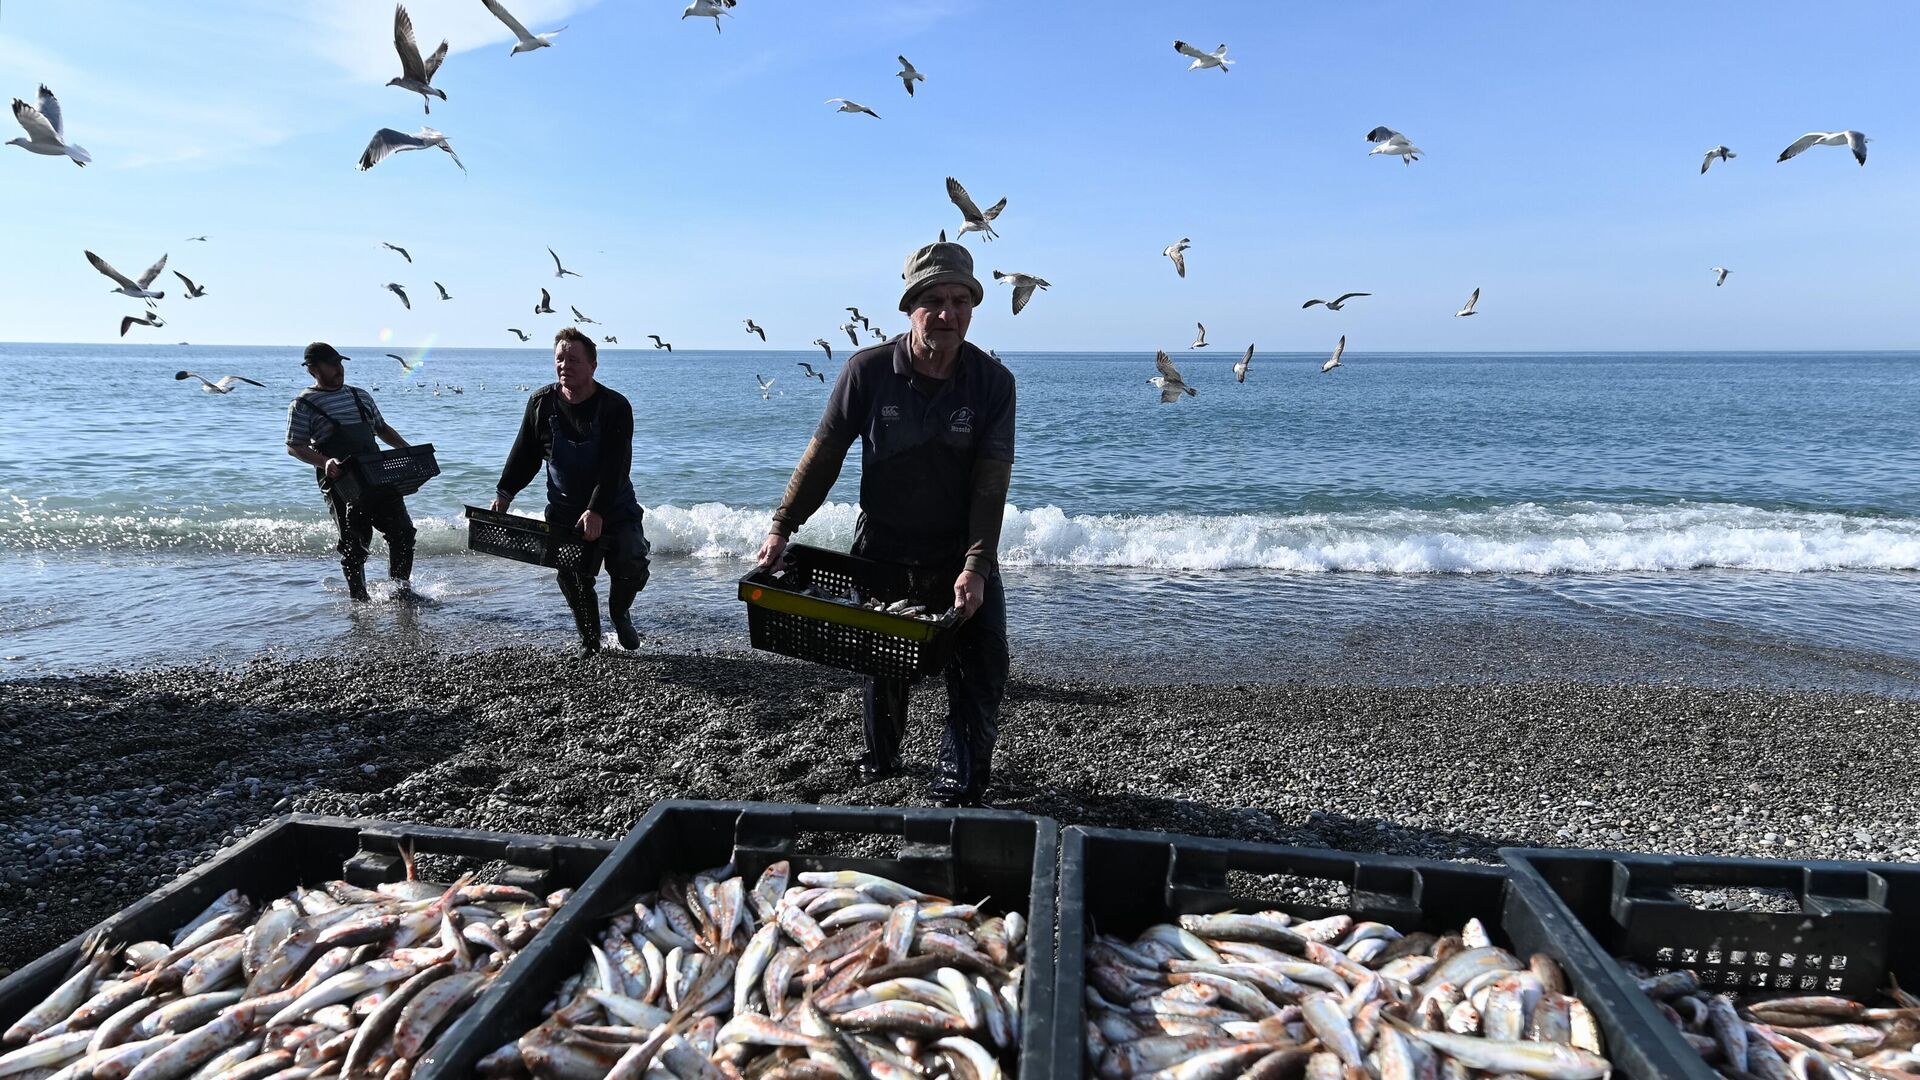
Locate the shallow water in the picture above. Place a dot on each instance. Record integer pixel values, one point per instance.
(1765, 505)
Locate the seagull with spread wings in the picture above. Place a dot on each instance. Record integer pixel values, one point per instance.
(404, 365)
(1177, 251)
(387, 142)
(977, 220)
(398, 248)
(1720, 276)
(415, 74)
(859, 318)
(526, 42)
(1390, 142)
(520, 332)
(822, 342)
(1240, 368)
(581, 319)
(46, 130)
(1169, 381)
(658, 344)
(1023, 287)
(611, 339)
(545, 306)
(1337, 350)
(1852, 140)
(443, 291)
(853, 333)
(1719, 152)
(150, 318)
(753, 328)
(1468, 310)
(709, 9)
(1202, 60)
(558, 270)
(766, 386)
(812, 374)
(224, 385)
(851, 107)
(399, 291)
(138, 289)
(1200, 338)
(908, 75)
(194, 292)
(1336, 303)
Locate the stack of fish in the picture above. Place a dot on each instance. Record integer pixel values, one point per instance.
(1265, 996)
(331, 981)
(1790, 1037)
(840, 975)
(855, 599)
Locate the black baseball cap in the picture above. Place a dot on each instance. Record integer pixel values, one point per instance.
(319, 351)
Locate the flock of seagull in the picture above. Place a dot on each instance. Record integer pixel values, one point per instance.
(46, 135)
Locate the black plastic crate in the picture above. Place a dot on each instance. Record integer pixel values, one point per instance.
(782, 619)
(1124, 881)
(1005, 856)
(404, 469)
(1852, 925)
(303, 849)
(531, 540)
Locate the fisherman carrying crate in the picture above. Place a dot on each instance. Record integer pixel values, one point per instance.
(327, 424)
(935, 420)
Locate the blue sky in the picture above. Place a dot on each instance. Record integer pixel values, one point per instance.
(698, 178)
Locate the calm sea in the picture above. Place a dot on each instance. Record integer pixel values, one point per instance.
(1760, 500)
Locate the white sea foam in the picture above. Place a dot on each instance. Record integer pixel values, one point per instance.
(1521, 538)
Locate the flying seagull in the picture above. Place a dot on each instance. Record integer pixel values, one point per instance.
(1336, 303)
(398, 248)
(1720, 152)
(194, 292)
(443, 291)
(878, 334)
(1200, 339)
(1852, 140)
(415, 74)
(859, 318)
(136, 289)
(1023, 286)
(545, 306)
(225, 384)
(1468, 310)
(1722, 273)
(1215, 59)
(528, 42)
(579, 318)
(1337, 350)
(812, 374)
(908, 74)
(1178, 253)
(1240, 369)
(658, 344)
(404, 366)
(766, 386)
(387, 142)
(852, 106)
(151, 318)
(517, 330)
(753, 329)
(399, 292)
(976, 220)
(611, 339)
(558, 270)
(853, 333)
(822, 342)
(1388, 141)
(1169, 381)
(46, 132)
(709, 9)
(191, 239)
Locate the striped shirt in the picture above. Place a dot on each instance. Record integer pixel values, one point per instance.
(330, 409)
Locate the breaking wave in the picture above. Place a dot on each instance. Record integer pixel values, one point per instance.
(1520, 538)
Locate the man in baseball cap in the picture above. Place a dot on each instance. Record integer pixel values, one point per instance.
(328, 423)
(935, 419)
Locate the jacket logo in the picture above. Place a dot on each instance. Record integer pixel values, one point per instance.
(962, 420)
(889, 412)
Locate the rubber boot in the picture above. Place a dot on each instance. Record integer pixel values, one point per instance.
(585, 605)
(400, 570)
(620, 594)
(356, 580)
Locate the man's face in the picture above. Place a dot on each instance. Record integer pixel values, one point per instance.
(328, 374)
(572, 366)
(941, 314)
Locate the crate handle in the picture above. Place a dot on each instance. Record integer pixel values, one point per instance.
(1378, 890)
(1821, 892)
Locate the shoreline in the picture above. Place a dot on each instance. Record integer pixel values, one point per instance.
(121, 780)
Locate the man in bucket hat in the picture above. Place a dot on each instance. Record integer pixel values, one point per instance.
(328, 423)
(935, 418)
